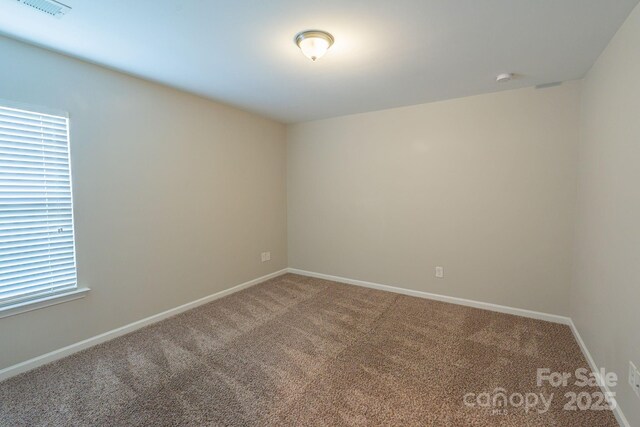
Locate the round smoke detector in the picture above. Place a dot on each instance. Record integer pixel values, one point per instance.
(504, 77)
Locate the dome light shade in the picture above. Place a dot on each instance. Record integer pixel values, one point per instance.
(314, 43)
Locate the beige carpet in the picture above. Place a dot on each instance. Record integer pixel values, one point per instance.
(302, 351)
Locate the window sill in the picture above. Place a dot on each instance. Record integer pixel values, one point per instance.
(23, 307)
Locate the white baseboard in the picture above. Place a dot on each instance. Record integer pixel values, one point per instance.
(482, 305)
(444, 298)
(90, 342)
(622, 420)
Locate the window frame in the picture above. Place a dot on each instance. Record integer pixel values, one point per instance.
(66, 295)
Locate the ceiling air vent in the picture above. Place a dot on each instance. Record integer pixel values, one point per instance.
(50, 7)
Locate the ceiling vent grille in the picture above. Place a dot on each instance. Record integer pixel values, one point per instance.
(50, 7)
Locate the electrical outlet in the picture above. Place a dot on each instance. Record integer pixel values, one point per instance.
(636, 387)
(634, 378)
(439, 272)
(265, 256)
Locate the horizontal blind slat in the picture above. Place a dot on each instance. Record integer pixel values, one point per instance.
(37, 147)
(12, 210)
(42, 233)
(41, 160)
(35, 290)
(41, 227)
(50, 143)
(9, 184)
(38, 280)
(36, 241)
(34, 135)
(31, 236)
(31, 129)
(33, 263)
(25, 141)
(15, 223)
(43, 169)
(27, 272)
(31, 152)
(43, 184)
(34, 168)
(22, 121)
(19, 217)
(42, 193)
(37, 295)
(33, 179)
(18, 276)
(8, 120)
(25, 119)
(25, 207)
(19, 201)
(17, 249)
(18, 112)
(27, 250)
(24, 258)
(32, 294)
(31, 172)
(25, 218)
(35, 238)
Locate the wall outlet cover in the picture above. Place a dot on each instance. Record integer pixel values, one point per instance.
(634, 378)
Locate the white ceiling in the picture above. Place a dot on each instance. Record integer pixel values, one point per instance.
(387, 53)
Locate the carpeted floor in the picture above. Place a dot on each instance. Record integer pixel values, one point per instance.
(302, 351)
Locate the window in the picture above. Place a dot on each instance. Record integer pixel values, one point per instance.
(37, 251)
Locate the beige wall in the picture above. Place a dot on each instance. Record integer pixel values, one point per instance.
(484, 186)
(175, 196)
(605, 298)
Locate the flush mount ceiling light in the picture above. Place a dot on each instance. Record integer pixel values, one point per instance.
(314, 43)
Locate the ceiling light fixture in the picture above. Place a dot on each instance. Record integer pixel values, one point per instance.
(314, 43)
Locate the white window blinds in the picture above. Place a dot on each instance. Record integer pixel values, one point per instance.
(37, 254)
